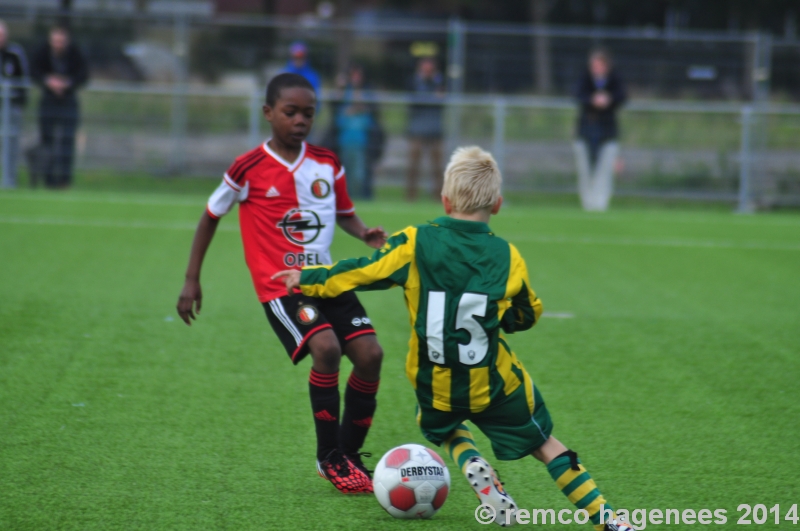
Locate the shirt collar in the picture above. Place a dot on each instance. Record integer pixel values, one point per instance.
(462, 225)
(291, 166)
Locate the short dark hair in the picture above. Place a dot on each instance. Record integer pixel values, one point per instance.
(284, 81)
(59, 28)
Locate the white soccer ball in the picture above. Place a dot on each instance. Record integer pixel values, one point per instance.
(411, 481)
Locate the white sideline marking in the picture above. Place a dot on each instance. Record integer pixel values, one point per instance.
(589, 240)
(559, 315)
(113, 199)
(109, 224)
(645, 242)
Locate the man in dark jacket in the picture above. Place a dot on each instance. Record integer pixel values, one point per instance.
(13, 69)
(600, 93)
(60, 69)
(425, 129)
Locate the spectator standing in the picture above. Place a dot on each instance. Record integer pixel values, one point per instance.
(359, 136)
(13, 69)
(600, 94)
(425, 128)
(298, 64)
(60, 69)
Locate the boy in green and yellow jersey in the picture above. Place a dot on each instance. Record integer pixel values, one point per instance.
(463, 286)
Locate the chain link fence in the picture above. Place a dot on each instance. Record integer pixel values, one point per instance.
(181, 95)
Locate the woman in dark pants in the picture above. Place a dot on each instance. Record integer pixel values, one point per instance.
(59, 68)
(601, 93)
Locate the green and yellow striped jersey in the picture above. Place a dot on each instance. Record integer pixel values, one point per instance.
(462, 284)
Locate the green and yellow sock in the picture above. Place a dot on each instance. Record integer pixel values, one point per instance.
(578, 486)
(461, 447)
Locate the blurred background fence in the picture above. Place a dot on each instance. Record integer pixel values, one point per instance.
(179, 92)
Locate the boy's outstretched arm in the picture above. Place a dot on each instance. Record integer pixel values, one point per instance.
(192, 295)
(388, 267)
(354, 226)
(523, 307)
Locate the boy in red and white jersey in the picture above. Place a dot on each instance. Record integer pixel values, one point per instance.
(291, 196)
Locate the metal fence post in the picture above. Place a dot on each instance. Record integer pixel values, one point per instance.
(456, 52)
(499, 133)
(254, 118)
(5, 131)
(745, 162)
(179, 94)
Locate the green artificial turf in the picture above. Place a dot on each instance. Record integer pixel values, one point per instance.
(672, 367)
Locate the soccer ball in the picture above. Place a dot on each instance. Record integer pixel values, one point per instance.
(411, 481)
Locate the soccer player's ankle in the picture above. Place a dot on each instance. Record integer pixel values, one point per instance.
(574, 481)
(359, 407)
(325, 404)
(461, 448)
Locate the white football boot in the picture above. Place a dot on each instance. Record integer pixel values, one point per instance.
(490, 491)
(618, 525)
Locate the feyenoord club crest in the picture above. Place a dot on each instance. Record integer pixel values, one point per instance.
(307, 314)
(320, 188)
(301, 226)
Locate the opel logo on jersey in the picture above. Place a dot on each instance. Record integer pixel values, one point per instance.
(307, 314)
(301, 226)
(320, 188)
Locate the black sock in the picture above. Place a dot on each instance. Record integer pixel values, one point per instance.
(359, 406)
(324, 391)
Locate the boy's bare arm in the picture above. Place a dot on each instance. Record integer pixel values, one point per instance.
(354, 226)
(191, 297)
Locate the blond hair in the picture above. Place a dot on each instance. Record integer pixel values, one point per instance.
(472, 180)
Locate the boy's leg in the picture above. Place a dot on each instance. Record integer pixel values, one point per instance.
(303, 329)
(575, 482)
(354, 330)
(359, 396)
(460, 446)
(323, 387)
(481, 476)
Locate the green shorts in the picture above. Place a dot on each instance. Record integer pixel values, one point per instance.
(514, 428)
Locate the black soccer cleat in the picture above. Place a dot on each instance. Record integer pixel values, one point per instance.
(343, 474)
(355, 458)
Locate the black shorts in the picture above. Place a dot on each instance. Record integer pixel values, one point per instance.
(297, 317)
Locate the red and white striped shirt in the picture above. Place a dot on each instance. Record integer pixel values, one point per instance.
(287, 210)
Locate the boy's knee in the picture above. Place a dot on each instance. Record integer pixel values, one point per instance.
(367, 356)
(372, 357)
(326, 353)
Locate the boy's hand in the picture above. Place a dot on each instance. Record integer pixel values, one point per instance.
(290, 277)
(191, 296)
(375, 237)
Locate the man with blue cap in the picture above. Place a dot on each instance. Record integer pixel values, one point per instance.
(298, 64)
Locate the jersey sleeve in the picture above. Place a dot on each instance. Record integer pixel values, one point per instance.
(388, 267)
(522, 307)
(228, 193)
(344, 206)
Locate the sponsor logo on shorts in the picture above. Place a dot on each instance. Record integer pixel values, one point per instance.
(320, 188)
(358, 321)
(307, 314)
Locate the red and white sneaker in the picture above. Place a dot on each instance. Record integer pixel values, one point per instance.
(345, 476)
(490, 491)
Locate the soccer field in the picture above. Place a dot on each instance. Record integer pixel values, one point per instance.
(669, 357)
